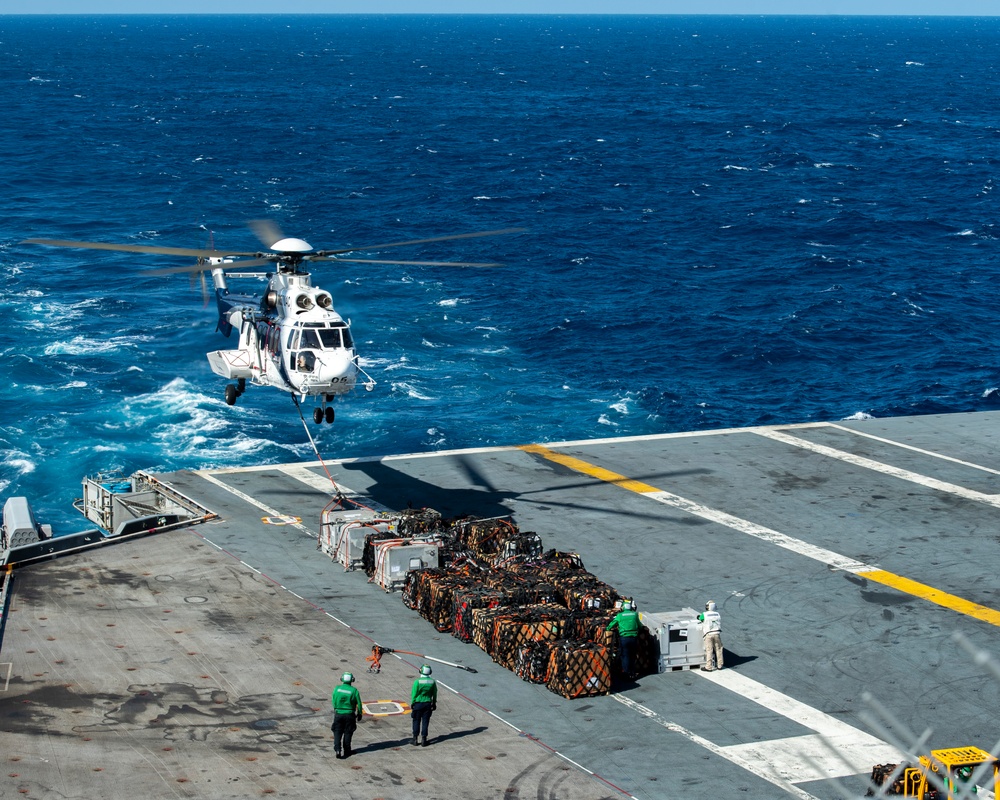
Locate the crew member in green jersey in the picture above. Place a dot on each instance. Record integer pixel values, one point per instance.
(347, 713)
(423, 701)
(628, 625)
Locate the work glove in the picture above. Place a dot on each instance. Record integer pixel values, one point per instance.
(434, 706)
(360, 716)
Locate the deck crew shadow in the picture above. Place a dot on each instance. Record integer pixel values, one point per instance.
(431, 740)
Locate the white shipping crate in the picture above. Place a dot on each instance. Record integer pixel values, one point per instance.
(342, 534)
(678, 634)
(397, 558)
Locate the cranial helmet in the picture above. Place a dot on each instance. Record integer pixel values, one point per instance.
(425, 670)
(347, 677)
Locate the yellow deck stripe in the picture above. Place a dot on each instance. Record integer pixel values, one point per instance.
(897, 582)
(936, 596)
(590, 469)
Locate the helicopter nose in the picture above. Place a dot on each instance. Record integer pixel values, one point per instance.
(338, 368)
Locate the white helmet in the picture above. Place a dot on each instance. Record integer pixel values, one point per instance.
(710, 605)
(347, 677)
(425, 670)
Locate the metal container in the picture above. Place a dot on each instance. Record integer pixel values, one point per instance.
(678, 634)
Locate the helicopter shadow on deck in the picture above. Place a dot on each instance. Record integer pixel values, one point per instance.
(479, 496)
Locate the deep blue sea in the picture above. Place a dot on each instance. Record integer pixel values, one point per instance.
(731, 221)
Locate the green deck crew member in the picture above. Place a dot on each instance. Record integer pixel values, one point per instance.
(347, 713)
(423, 701)
(628, 625)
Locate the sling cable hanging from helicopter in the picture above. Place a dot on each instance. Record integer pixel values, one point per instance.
(339, 497)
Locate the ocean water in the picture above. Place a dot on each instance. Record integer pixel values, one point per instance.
(731, 221)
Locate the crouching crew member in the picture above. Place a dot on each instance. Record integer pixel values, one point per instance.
(347, 713)
(628, 624)
(423, 701)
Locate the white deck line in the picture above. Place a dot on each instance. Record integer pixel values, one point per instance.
(916, 449)
(769, 535)
(730, 755)
(268, 511)
(885, 469)
(800, 759)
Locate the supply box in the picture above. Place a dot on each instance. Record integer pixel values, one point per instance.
(678, 635)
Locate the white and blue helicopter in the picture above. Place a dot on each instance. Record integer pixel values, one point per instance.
(290, 335)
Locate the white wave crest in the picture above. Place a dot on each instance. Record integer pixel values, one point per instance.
(52, 313)
(410, 391)
(437, 437)
(620, 406)
(858, 415)
(20, 462)
(15, 464)
(83, 345)
(189, 424)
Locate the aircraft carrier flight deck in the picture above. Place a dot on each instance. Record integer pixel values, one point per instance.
(854, 565)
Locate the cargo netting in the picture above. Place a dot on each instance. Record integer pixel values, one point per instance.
(540, 614)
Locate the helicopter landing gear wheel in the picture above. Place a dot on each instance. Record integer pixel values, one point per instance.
(231, 394)
(317, 415)
(329, 414)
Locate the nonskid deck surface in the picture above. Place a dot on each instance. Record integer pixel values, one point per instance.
(843, 557)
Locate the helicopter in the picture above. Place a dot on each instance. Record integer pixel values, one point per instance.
(290, 335)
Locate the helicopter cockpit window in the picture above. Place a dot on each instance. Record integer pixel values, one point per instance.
(331, 338)
(305, 361)
(292, 342)
(309, 339)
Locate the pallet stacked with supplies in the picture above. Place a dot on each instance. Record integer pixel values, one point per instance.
(541, 615)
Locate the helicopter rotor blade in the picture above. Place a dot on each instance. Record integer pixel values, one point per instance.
(140, 248)
(414, 263)
(205, 267)
(419, 241)
(267, 231)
